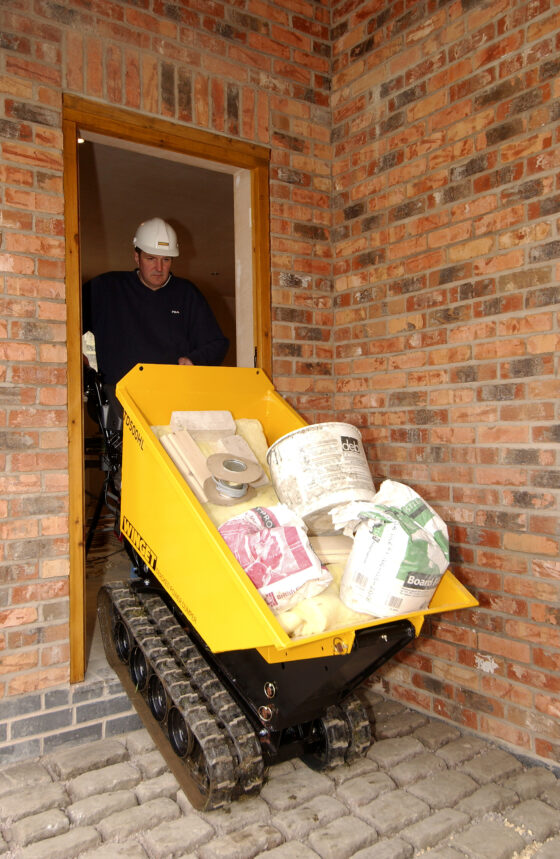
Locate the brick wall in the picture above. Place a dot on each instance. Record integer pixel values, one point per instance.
(414, 239)
(446, 251)
(258, 71)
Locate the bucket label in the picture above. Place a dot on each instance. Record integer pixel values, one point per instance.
(350, 444)
(138, 543)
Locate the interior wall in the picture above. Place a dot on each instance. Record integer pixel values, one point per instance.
(447, 330)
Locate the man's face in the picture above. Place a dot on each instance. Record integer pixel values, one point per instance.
(154, 270)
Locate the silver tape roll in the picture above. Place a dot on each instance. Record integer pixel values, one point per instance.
(233, 469)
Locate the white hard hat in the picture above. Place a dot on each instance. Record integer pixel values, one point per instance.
(156, 237)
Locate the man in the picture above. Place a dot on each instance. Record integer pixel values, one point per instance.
(148, 315)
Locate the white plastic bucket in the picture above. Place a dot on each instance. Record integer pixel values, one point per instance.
(317, 467)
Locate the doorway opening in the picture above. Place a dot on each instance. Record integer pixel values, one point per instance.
(157, 167)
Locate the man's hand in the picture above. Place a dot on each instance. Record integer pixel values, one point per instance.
(185, 361)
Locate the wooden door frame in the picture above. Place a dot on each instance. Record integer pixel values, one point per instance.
(82, 115)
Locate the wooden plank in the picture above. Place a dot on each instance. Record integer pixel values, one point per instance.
(76, 516)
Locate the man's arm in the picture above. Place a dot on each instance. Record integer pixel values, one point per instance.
(208, 346)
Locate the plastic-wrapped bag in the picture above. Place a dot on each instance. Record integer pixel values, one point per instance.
(272, 546)
(400, 552)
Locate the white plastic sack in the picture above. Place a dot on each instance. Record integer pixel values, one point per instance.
(272, 546)
(400, 552)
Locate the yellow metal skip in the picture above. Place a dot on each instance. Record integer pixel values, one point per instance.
(171, 531)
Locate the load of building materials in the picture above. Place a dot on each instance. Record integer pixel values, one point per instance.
(395, 546)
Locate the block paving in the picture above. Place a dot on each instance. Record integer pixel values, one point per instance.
(423, 788)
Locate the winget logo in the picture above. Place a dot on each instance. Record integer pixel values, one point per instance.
(350, 444)
(138, 542)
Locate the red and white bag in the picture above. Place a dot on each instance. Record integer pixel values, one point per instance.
(272, 546)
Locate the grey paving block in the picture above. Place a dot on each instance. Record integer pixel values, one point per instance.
(290, 850)
(461, 750)
(86, 812)
(342, 838)
(67, 763)
(128, 849)
(139, 742)
(163, 785)
(121, 776)
(290, 790)
(549, 850)
(393, 811)
(16, 777)
(177, 837)
(238, 815)
(242, 844)
(391, 848)
(32, 800)
(359, 791)
(489, 840)
(432, 830)
(298, 822)
(434, 734)
(66, 846)
(491, 797)
(390, 753)
(445, 789)
(123, 824)
(420, 767)
(538, 819)
(362, 766)
(493, 765)
(151, 764)
(38, 826)
(446, 853)
(530, 784)
(385, 709)
(398, 726)
(551, 795)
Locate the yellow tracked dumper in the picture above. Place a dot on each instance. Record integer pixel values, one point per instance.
(223, 689)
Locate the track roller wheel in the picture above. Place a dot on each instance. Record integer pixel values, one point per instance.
(179, 733)
(139, 670)
(157, 698)
(123, 644)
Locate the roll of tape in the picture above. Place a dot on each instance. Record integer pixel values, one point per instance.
(233, 469)
(214, 496)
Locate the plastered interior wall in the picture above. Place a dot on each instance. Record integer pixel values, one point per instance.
(414, 262)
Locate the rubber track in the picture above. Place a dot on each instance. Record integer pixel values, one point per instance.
(335, 737)
(360, 730)
(232, 761)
